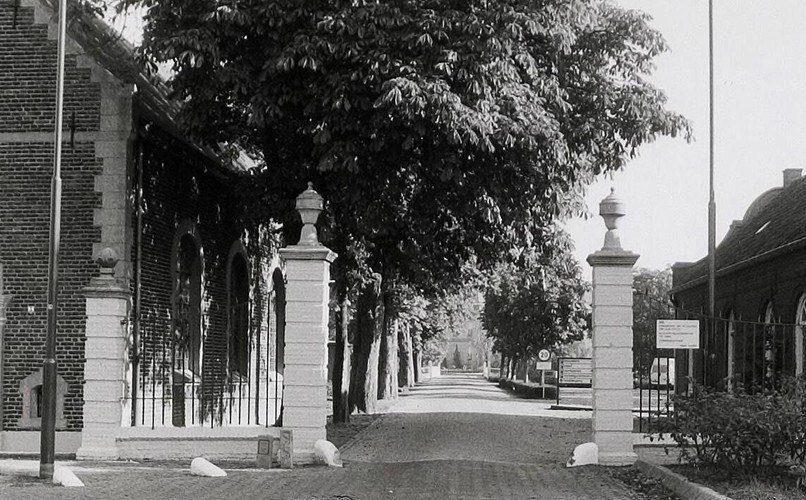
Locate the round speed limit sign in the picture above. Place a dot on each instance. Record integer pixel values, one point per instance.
(543, 355)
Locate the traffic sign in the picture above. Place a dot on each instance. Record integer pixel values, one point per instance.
(544, 355)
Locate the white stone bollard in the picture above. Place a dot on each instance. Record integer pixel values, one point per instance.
(327, 453)
(65, 477)
(584, 454)
(202, 467)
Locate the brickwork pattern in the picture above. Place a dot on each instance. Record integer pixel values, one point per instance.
(27, 79)
(27, 110)
(24, 235)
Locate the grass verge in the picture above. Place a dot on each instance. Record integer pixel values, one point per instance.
(766, 483)
(645, 487)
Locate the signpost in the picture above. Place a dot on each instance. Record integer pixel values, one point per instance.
(678, 334)
(574, 372)
(543, 364)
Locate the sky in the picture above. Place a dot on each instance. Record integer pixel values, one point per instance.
(759, 127)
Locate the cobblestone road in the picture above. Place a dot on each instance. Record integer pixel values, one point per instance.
(456, 437)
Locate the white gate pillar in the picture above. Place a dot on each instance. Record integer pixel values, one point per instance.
(612, 342)
(307, 297)
(106, 359)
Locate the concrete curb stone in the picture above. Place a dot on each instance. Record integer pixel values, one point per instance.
(679, 484)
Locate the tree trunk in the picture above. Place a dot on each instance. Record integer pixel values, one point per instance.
(418, 365)
(406, 372)
(388, 366)
(410, 357)
(341, 361)
(368, 332)
(526, 370)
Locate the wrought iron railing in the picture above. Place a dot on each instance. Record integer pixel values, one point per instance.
(224, 383)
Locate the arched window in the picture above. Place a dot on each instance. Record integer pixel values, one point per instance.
(238, 302)
(800, 320)
(187, 304)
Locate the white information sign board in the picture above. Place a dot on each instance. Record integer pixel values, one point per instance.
(678, 334)
(576, 371)
(543, 365)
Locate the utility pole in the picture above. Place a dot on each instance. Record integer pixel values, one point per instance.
(711, 202)
(47, 439)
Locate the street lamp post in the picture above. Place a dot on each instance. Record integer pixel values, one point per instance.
(48, 430)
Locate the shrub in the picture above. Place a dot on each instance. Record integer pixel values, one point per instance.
(528, 391)
(766, 428)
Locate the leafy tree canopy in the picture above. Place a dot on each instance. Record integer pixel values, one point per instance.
(537, 302)
(439, 131)
(650, 303)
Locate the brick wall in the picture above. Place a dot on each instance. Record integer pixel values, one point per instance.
(27, 109)
(27, 82)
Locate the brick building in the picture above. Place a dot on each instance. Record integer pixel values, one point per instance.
(204, 312)
(756, 338)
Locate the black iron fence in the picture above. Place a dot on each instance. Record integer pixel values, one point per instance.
(746, 356)
(733, 355)
(228, 378)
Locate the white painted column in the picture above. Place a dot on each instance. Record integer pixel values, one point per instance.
(105, 364)
(307, 297)
(612, 342)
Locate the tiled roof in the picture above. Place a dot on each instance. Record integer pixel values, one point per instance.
(774, 223)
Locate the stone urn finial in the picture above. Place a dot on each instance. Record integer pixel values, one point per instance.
(107, 259)
(611, 209)
(309, 205)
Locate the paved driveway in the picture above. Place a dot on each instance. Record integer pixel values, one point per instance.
(467, 438)
(456, 437)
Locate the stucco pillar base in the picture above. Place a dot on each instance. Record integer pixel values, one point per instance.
(612, 355)
(106, 358)
(305, 384)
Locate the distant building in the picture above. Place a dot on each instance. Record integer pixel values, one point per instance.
(757, 335)
(467, 348)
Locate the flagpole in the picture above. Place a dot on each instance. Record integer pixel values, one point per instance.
(48, 429)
